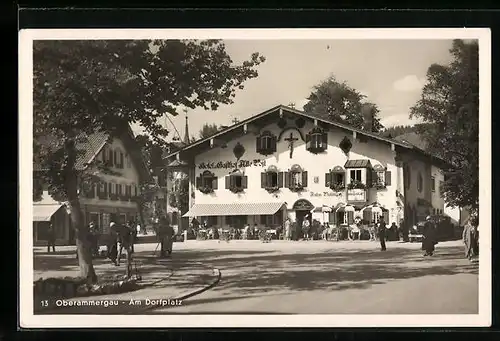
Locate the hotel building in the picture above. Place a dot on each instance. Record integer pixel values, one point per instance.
(285, 163)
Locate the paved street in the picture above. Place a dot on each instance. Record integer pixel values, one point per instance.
(322, 278)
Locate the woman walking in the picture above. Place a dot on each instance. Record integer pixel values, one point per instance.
(429, 241)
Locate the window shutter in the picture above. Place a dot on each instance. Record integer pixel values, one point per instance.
(304, 179)
(263, 219)
(273, 143)
(244, 181)
(280, 180)
(110, 159)
(115, 158)
(110, 188)
(325, 140)
(388, 178)
(263, 180)
(121, 160)
(228, 182)
(258, 148)
(328, 179)
(98, 190)
(105, 190)
(228, 220)
(350, 218)
(334, 218)
(286, 176)
(198, 182)
(103, 155)
(215, 183)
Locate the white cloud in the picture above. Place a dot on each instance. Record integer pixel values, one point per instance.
(409, 83)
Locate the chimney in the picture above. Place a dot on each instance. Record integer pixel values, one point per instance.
(367, 113)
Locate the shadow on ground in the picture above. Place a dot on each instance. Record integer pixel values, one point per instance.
(256, 273)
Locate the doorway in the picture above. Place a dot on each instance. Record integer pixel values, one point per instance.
(299, 218)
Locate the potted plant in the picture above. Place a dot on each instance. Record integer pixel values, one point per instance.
(338, 186)
(356, 185)
(272, 189)
(206, 189)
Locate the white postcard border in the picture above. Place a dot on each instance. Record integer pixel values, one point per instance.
(29, 320)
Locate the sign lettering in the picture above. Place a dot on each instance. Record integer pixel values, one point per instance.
(232, 164)
(324, 194)
(356, 195)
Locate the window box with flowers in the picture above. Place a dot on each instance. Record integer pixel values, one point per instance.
(271, 180)
(356, 184)
(236, 182)
(266, 143)
(207, 182)
(317, 141)
(296, 179)
(381, 178)
(335, 179)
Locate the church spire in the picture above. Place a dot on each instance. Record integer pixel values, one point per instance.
(186, 129)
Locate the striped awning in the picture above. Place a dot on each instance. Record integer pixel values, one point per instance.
(205, 210)
(44, 212)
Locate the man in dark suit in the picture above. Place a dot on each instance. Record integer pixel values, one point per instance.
(382, 233)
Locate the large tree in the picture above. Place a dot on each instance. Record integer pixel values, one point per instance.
(450, 104)
(83, 87)
(339, 102)
(208, 130)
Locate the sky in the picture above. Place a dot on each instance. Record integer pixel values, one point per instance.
(391, 73)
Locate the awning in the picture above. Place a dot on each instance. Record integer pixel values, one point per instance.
(44, 212)
(205, 210)
(346, 208)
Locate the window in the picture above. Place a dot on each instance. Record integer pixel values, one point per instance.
(420, 182)
(316, 140)
(296, 178)
(335, 179)
(206, 182)
(355, 175)
(271, 179)
(433, 184)
(407, 176)
(95, 218)
(102, 191)
(127, 160)
(380, 177)
(236, 181)
(110, 158)
(266, 143)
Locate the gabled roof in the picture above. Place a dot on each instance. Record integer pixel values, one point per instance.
(296, 112)
(358, 164)
(93, 146)
(286, 109)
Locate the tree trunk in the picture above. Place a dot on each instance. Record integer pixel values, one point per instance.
(83, 245)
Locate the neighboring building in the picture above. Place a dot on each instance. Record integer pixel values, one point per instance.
(113, 199)
(284, 163)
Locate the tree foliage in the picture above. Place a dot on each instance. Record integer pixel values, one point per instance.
(450, 104)
(339, 102)
(208, 130)
(84, 87)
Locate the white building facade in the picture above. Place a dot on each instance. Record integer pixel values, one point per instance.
(283, 163)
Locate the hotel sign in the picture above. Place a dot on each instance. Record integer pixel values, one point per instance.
(356, 194)
(232, 164)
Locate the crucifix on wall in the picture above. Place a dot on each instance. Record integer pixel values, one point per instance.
(291, 141)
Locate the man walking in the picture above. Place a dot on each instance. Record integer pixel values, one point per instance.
(51, 239)
(382, 233)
